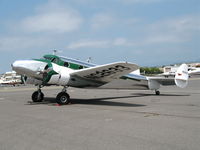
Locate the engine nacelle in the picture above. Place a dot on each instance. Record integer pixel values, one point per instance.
(60, 79)
(153, 85)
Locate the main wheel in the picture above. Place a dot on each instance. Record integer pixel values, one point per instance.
(63, 98)
(37, 96)
(157, 92)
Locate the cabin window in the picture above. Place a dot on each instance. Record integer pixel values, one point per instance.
(80, 67)
(66, 64)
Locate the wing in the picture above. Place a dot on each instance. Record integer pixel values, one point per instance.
(104, 73)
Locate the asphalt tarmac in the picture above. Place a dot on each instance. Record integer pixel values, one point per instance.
(101, 119)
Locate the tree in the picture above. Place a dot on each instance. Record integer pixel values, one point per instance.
(150, 70)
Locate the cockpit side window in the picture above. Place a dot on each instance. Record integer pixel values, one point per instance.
(54, 60)
(47, 58)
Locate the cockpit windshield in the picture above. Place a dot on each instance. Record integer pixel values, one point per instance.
(75, 61)
(47, 58)
(52, 59)
(68, 62)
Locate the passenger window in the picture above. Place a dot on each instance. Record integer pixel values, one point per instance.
(66, 64)
(80, 67)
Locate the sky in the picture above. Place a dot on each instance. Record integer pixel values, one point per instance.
(145, 32)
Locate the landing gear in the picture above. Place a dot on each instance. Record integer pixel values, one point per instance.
(157, 92)
(63, 98)
(37, 96)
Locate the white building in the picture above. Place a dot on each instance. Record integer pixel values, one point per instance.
(10, 78)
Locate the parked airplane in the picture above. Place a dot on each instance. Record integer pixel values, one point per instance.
(192, 71)
(58, 70)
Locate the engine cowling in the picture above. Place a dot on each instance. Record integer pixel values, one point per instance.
(56, 74)
(51, 78)
(52, 74)
(59, 79)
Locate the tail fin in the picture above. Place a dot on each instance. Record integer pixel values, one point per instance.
(181, 77)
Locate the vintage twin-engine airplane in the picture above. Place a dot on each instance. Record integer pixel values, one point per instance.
(58, 70)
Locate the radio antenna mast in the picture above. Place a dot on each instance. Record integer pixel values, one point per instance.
(89, 59)
(54, 52)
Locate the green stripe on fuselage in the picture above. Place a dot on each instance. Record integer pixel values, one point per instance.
(57, 60)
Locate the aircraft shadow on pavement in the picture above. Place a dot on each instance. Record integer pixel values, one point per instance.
(146, 94)
(104, 101)
(94, 101)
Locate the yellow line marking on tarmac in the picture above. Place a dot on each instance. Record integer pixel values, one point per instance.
(194, 79)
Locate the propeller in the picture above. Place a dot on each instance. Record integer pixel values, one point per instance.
(46, 73)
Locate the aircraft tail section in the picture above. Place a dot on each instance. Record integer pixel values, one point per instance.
(181, 76)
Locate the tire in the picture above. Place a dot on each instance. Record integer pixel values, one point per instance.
(157, 92)
(63, 98)
(36, 97)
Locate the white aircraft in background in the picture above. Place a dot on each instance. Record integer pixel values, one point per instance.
(58, 70)
(192, 71)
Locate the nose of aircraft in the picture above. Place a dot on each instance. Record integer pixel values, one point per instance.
(18, 66)
(28, 67)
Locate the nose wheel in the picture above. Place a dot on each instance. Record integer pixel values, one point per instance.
(37, 96)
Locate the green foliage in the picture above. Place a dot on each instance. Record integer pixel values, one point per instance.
(198, 66)
(150, 70)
